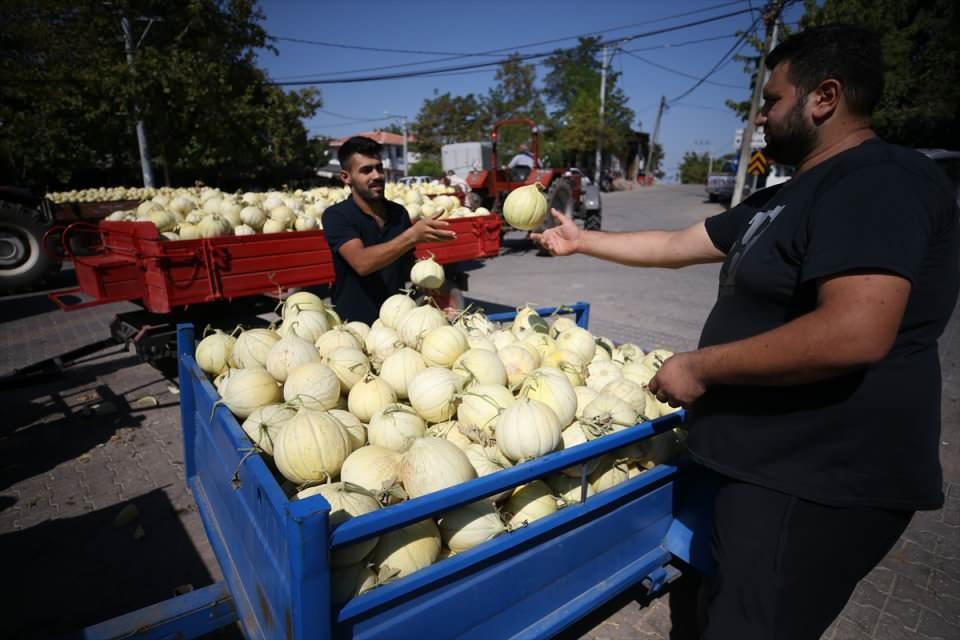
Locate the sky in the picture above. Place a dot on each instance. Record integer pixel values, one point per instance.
(444, 31)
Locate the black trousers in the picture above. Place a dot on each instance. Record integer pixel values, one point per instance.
(785, 567)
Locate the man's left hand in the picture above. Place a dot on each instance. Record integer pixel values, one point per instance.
(679, 382)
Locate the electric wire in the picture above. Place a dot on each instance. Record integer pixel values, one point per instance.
(462, 54)
(724, 58)
(680, 73)
(533, 56)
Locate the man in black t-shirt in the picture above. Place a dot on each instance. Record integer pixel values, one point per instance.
(371, 237)
(815, 391)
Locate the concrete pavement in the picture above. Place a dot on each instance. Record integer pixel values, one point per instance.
(74, 451)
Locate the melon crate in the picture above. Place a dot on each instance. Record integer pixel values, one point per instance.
(533, 581)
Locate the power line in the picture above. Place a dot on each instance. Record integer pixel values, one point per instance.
(680, 73)
(700, 106)
(669, 45)
(679, 44)
(736, 45)
(532, 56)
(460, 54)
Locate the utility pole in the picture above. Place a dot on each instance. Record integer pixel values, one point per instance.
(403, 119)
(406, 163)
(603, 101)
(706, 143)
(141, 129)
(746, 144)
(648, 168)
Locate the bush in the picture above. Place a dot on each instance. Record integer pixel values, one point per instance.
(426, 167)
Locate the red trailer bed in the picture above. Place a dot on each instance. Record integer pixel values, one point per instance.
(134, 263)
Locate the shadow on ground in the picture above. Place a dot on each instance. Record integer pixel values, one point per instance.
(682, 595)
(75, 572)
(48, 424)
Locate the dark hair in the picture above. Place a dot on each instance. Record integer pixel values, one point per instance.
(848, 53)
(358, 144)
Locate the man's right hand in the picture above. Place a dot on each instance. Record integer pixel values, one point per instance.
(431, 230)
(561, 240)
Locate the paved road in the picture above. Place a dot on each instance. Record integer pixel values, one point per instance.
(67, 469)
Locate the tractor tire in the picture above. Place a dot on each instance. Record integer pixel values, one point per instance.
(560, 197)
(591, 222)
(23, 261)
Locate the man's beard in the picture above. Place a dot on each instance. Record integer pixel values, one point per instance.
(367, 194)
(792, 140)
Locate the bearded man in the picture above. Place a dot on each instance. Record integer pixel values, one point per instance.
(814, 395)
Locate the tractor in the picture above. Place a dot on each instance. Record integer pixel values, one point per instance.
(566, 190)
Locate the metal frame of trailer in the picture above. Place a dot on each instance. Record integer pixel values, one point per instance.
(532, 582)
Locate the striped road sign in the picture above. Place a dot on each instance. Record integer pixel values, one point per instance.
(758, 164)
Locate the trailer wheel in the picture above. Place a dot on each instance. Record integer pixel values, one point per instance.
(592, 220)
(23, 262)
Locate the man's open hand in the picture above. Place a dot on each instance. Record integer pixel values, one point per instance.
(431, 230)
(561, 240)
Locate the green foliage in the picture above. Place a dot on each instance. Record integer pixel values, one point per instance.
(572, 87)
(656, 161)
(426, 167)
(568, 134)
(693, 167)
(921, 50)
(69, 100)
(514, 96)
(445, 119)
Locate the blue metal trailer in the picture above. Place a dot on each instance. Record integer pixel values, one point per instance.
(531, 582)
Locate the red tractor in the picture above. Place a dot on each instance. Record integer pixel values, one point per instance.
(567, 190)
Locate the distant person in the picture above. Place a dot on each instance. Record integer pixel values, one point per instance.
(523, 158)
(457, 182)
(815, 393)
(371, 237)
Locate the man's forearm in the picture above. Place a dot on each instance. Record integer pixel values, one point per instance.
(811, 348)
(665, 249)
(378, 256)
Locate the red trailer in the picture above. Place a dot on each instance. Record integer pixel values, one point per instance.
(133, 262)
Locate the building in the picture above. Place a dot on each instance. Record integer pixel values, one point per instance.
(393, 161)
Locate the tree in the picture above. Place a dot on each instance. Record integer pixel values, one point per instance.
(693, 167)
(921, 51)
(920, 40)
(656, 162)
(572, 87)
(515, 95)
(69, 100)
(426, 167)
(750, 68)
(445, 119)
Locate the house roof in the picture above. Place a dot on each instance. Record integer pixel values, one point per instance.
(383, 137)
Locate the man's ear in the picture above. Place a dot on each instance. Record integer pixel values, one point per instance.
(344, 176)
(825, 99)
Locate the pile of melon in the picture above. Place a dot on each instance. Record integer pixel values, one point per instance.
(369, 416)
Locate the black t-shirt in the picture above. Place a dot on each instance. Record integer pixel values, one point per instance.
(868, 438)
(357, 297)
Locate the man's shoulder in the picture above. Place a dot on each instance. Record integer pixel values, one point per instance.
(346, 206)
(339, 212)
(877, 157)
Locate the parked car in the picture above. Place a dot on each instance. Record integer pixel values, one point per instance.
(949, 161)
(415, 180)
